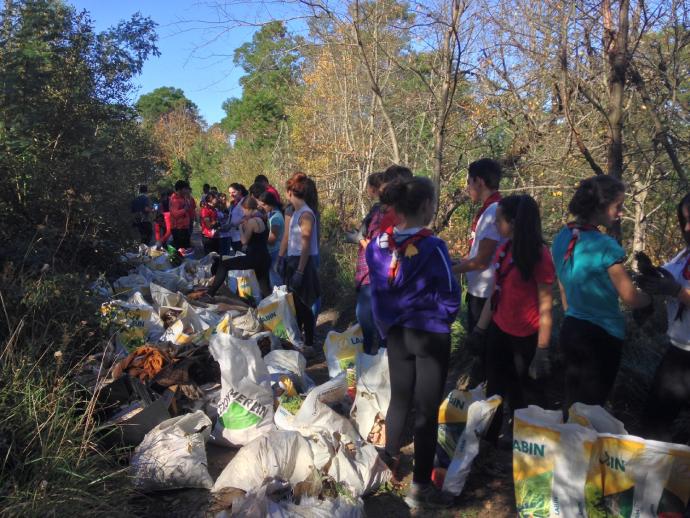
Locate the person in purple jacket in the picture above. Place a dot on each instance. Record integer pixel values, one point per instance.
(415, 298)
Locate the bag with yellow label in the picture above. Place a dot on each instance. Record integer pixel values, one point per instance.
(452, 418)
(341, 351)
(277, 314)
(550, 463)
(478, 419)
(667, 482)
(245, 284)
(135, 322)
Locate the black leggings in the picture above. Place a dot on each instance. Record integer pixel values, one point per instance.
(670, 394)
(592, 358)
(418, 363)
(507, 360)
(475, 305)
(243, 262)
(305, 320)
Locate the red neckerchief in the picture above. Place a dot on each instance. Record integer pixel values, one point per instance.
(496, 196)
(398, 250)
(575, 230)
(501, 273)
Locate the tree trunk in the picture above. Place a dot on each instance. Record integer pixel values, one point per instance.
(617, 48)
(640, 217)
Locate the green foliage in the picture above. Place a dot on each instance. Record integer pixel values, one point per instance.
(153, 105)
(69, 146)
(270, 61)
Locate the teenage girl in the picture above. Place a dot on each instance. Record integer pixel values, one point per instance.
(671, 386)
(369, 229)
(276, 227)
(592, 278)
(519, 307)
(209, 224)
(253, 241)
(296, 261)
(415, 298)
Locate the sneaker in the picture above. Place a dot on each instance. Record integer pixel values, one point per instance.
(427, 495)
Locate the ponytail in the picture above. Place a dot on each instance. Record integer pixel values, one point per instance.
(523, 212)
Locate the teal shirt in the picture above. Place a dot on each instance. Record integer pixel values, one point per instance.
(585, 278)
(276, 224)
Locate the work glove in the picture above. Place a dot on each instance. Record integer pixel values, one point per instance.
(641, 315)
(280, 266)
(354, 236)
(540, 367)
(296, 281)
(665, 285)
(476, 341)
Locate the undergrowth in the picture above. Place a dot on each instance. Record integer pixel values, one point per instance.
(50, 461)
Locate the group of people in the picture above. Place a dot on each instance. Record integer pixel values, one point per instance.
(408, 293)
(409, 296)
(249, 229)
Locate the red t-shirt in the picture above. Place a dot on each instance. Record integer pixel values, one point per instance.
(517, 312)
(207, 229)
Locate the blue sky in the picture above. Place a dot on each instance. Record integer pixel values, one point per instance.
(194, 57)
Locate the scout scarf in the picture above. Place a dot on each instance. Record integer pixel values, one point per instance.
(487, 203)
(404, 249)
(575, 230)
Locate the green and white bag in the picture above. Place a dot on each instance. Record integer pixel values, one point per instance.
(245, 408)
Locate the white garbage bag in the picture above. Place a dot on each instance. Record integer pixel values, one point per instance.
(452, 418)
(314, 415)
(341, 351)
(130, 283)
(595, 417)
(666, 481)
(245, 408)
(277, 314)
(136, 322)
(359, 467)
(550, 463)
(479, 417)
(278, 455)
(247, 324)
(283, 361)
(245, 284)
(373, 394)
(173, 455)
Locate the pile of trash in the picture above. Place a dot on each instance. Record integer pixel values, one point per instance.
(181, 373)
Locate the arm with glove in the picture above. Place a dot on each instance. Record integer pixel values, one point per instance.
(540, 367)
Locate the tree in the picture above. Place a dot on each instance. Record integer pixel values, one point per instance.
(70, 148)
(270, 62)
(153, 105)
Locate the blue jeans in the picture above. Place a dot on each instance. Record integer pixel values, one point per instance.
(365, 317)
(316, 306)
(273, 277)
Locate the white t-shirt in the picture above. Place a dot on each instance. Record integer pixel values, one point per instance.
(480, 282)
(295, 234)
(678, 330)
(236, 216)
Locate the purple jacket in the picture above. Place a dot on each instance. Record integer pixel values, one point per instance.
(424, 294)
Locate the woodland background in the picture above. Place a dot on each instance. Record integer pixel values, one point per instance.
(555, 90)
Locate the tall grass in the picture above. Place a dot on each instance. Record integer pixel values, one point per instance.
(50, 461)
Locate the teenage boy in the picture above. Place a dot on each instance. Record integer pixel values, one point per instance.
(483, 179)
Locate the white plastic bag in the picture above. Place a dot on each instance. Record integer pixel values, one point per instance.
(452, 418)
(173, 455)
(279, 455)
(373, 393)
(281, 361)
(479, 417)
(277, 314)
(359, 467)
(341, 351)
(595, 417)
(314, 415)
(136, 322)
(550, 463)
(245, 284)
(245, 408)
